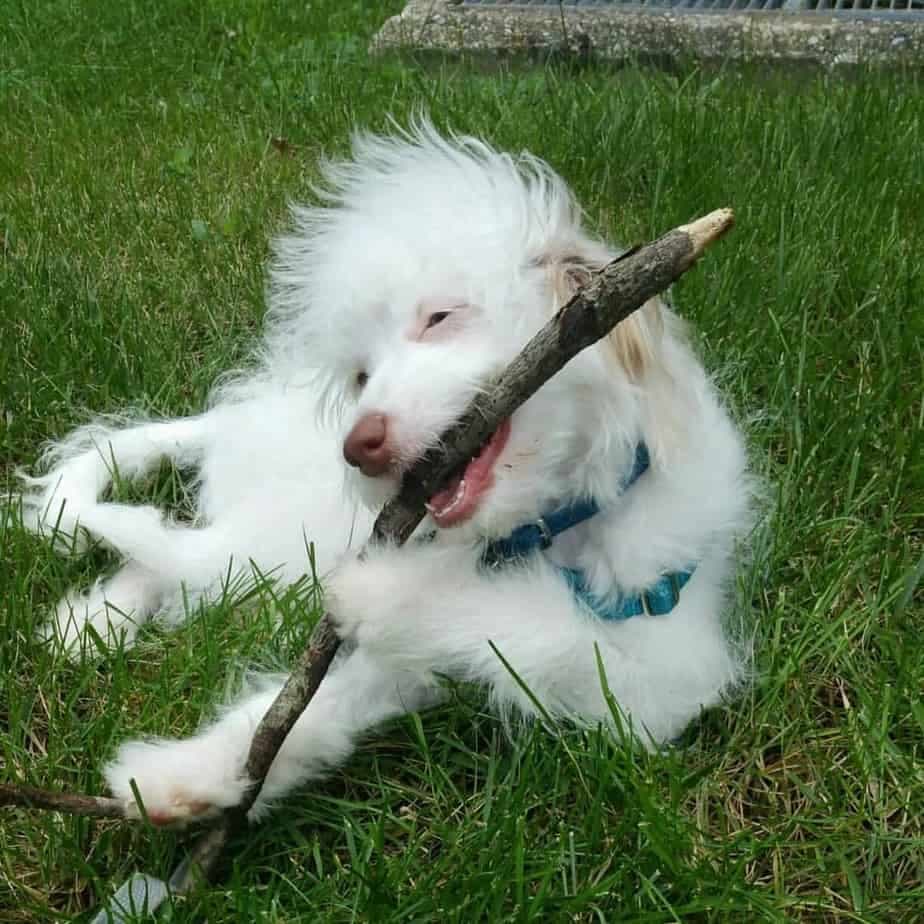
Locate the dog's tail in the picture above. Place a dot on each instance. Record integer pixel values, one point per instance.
(81, 467)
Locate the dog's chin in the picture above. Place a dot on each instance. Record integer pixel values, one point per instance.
(373, 493)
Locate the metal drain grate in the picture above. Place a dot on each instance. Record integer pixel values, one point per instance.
(856, 9)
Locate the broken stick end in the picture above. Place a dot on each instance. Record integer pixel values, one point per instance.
(708, 229)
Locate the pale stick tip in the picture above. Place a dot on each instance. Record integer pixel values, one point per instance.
(704, 231)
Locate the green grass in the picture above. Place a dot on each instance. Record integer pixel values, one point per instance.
(139, 185)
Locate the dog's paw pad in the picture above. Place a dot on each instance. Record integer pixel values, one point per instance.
(180, 810)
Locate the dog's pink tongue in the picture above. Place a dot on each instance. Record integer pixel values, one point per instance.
(460, 499)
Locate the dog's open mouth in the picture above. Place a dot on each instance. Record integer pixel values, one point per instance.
(460, 499)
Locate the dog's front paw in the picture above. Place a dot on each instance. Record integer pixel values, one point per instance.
(347, 597)
(362, 592)
(179, 781)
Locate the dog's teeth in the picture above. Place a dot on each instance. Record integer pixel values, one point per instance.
(456, 500)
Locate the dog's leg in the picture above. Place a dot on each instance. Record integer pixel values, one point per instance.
(83, 465)
(166, 564)
(114, 608)
(64, 503)
(180, 780)
(178, 564)
(420, 612)
(411, 624)
(429, 608)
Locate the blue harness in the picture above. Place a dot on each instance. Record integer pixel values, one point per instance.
(529, 538)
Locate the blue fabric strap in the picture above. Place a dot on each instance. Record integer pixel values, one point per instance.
(656, 600)
(531, 537)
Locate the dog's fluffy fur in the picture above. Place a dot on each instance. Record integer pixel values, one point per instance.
(430, 264)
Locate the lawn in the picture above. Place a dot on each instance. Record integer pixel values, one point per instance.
(147, 152)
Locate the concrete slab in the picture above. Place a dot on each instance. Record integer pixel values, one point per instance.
(622, 31)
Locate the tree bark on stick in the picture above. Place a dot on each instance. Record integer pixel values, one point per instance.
(72, 803)
(612, 295)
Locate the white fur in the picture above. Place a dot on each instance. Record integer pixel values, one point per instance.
(410, 223)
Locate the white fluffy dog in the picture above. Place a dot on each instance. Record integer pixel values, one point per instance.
(602, 517)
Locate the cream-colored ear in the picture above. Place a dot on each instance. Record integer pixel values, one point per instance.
(634, 342)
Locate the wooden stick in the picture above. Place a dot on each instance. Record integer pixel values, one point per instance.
(72, 803)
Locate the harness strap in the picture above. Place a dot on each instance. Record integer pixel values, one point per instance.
(657, 600)
(525, 540)
(539, 534)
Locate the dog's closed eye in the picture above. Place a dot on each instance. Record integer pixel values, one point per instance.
(436, 318)
(361, 378)
(449, 316)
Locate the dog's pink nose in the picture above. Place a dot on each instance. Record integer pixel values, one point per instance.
(366, 446)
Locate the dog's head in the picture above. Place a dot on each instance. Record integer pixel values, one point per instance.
(429, 267)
